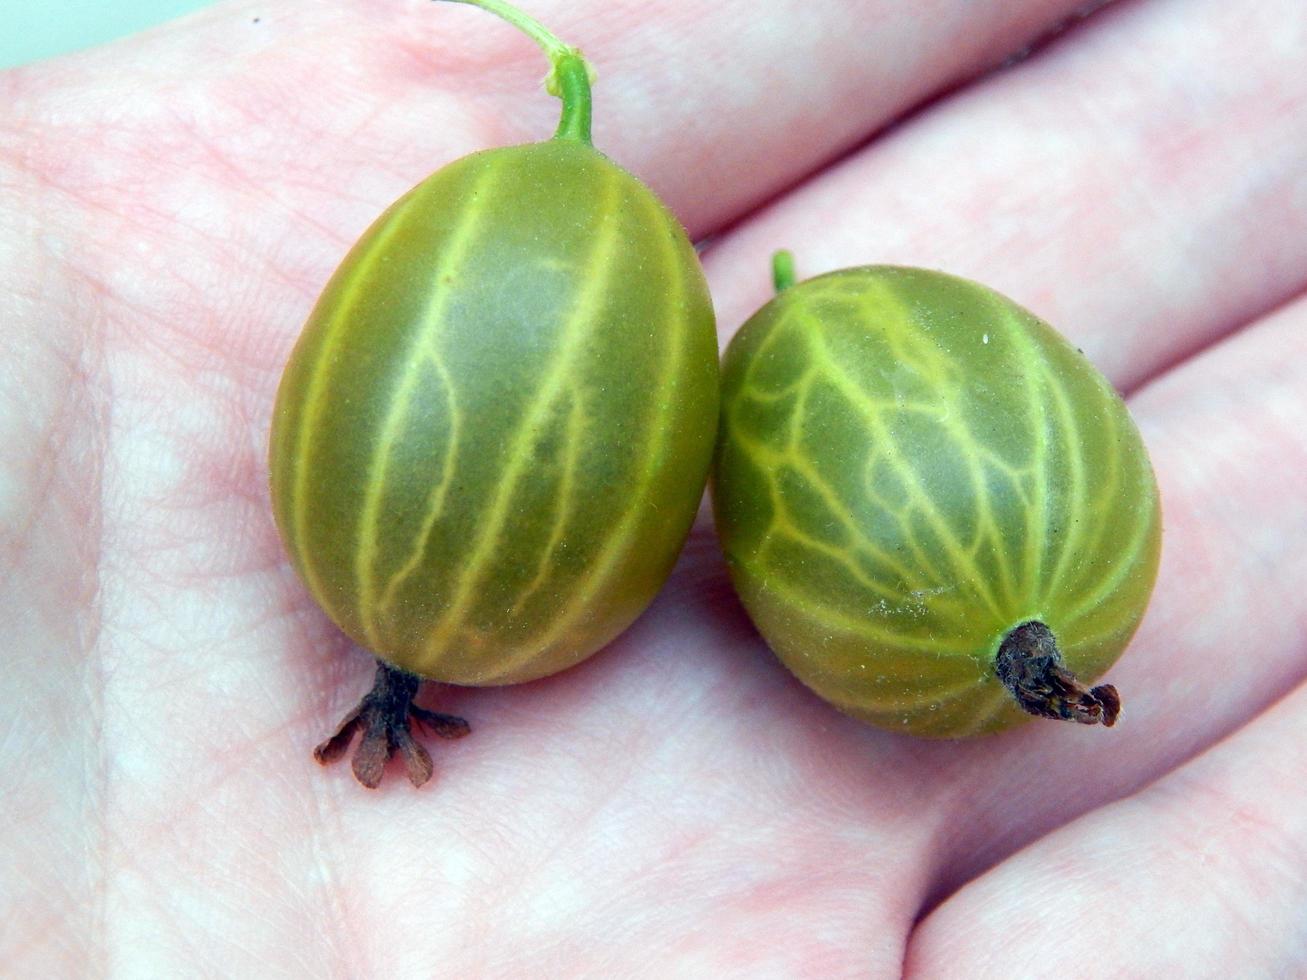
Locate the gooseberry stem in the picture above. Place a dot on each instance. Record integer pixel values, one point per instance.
(782, 270)
(570, 74)
(1030, 666)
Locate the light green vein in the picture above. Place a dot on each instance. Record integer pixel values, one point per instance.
(773, 460)
(619, 538)
(871, 410)
(754, 365)
(842, 508)
(1134, 549)
(317, 394)
(451, 257)
(589, 300)
(1036, 537)
(436, 499)
(566, 491)
(908, 342)
(785, 527)
(986, 524)
(1077, 512)
(954, 552)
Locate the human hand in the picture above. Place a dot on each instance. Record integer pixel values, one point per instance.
(678, 805)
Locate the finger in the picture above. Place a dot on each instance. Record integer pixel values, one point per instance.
(1141, 184)
(51, 476)
(1223, 635)
(1200, 874)
(717, 104)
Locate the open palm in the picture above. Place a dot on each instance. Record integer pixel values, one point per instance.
(678, 805)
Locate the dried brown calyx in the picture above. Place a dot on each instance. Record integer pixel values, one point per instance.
(384, 717)
(1031, 667)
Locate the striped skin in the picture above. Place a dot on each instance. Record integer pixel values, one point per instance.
(493, 435)
(909, 466)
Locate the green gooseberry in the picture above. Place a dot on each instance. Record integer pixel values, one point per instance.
(493, 434)
(935, 510)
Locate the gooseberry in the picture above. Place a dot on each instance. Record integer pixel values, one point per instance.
(935, 510)
(492, 436)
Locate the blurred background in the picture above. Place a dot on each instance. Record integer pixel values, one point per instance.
(35, 29)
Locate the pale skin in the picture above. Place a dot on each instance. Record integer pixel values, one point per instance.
(678, 805)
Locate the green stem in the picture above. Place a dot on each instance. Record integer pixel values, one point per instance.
(782, 270)
(570, 74)
(570, 81)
